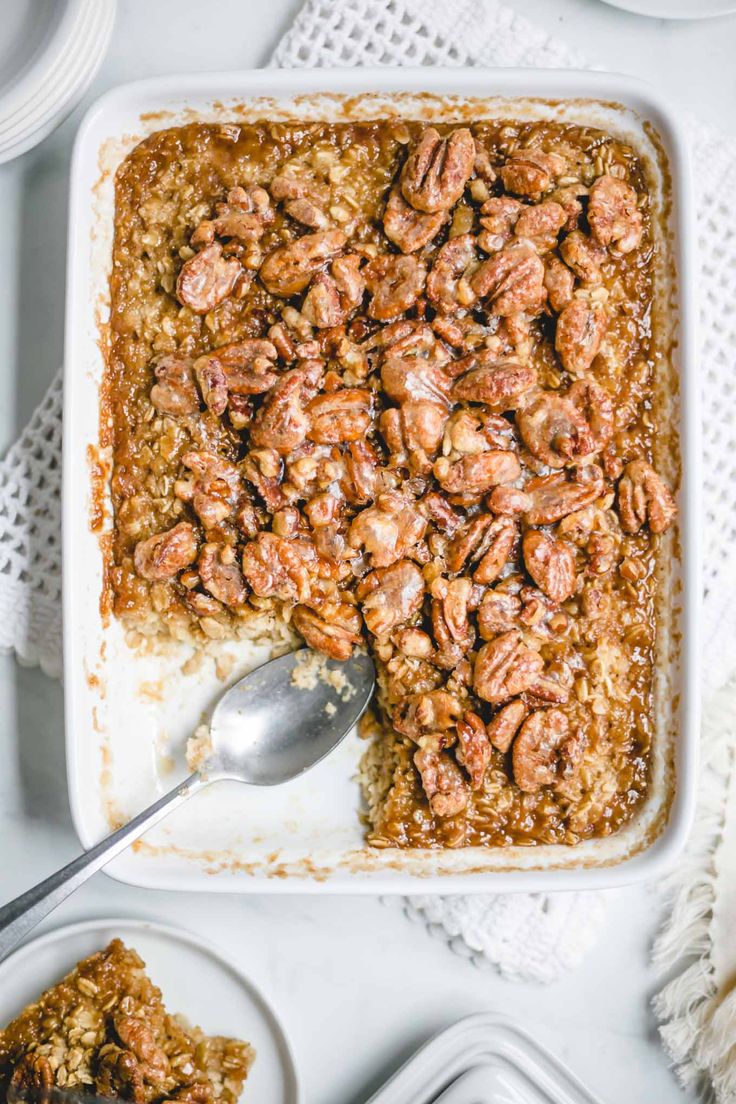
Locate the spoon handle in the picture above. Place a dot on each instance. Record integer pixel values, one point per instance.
(20, 916)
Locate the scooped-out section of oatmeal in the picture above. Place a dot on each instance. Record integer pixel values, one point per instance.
(391, 385)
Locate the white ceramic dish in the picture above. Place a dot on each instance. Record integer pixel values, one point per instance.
(676, 9)
(195, 978)
(128, 716)
(483, 1059)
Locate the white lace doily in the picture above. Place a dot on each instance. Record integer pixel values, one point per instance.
(492, 930)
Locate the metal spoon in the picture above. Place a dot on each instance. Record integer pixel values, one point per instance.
(264, 731)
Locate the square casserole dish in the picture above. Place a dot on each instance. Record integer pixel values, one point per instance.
(128, 716)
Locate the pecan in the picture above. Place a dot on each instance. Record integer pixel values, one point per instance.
(498, 613)
(561, 429)
(447, 284)
(541, 224)
(408, 229)
(498, 217)
(331, 298)
(545, 752)
(440, 513)
(282, 422)
(613, 214)
(137, 1037)
(243, 367)
(32, 1080)
(119, 1076)
(343, 415)
(504, 725)
(553, 687)
(584, 256)
(198, 1092)
(473, 748)
(450, 622)
(505, 668)
(559, 283)
(411, 378)
(511, 281)
(389, 530)
(485, 541)
(414, 643)
(473, 476)
(244, 216)
(287, 270)
(274, 568)
(553, 497)
(442, 782)
(643, 496)
(508, 501)
(220, 574)
(483, 378)
(426, 713)
(164, 555)
(361, 480)
(334, 629)
(264, 468)
(174, 391)
(206, 279)
(214, 487)
(389, 596)
(551, 564)
(581, 328)
(531, 172)
(395, 283)
(437, 169)
(413, 433)
(303, 197)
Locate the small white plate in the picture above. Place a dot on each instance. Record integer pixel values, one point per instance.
(676, 9)
(196, 980)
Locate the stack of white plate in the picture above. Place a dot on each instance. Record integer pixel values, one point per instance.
(483, 1059)
(49, 52)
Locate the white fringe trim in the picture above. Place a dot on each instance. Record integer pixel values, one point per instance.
(698, 1025)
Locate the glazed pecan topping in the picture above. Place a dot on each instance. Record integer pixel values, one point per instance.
(395, 283)
(437, 170)
(473, 748)
(391, 595)
(174, 391)
(545, 751)
(614, 215)
(497, 383)
(288, 270)
(644, 497)
(505, 724)
(551, 564)
(166, 554)
(505, 668)
(407, 228)
(511, 281)
(442, 782)
(581, 328)
(207, 278)
(333, 629)
(531, 171)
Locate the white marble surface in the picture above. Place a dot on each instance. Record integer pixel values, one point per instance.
(358, 986)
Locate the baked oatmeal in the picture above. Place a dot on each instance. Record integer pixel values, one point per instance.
(392, 385)
(104, 1030)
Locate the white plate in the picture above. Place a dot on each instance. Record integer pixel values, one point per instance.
(128, 716)
(483, 1059)
(50, 51)
(676, 9)
(195, 978)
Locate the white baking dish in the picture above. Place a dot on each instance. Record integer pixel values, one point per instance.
(128, 716)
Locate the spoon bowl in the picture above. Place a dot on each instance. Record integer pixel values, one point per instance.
(285, 716)
(270, 727)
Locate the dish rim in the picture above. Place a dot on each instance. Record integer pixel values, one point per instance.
(553, 85)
